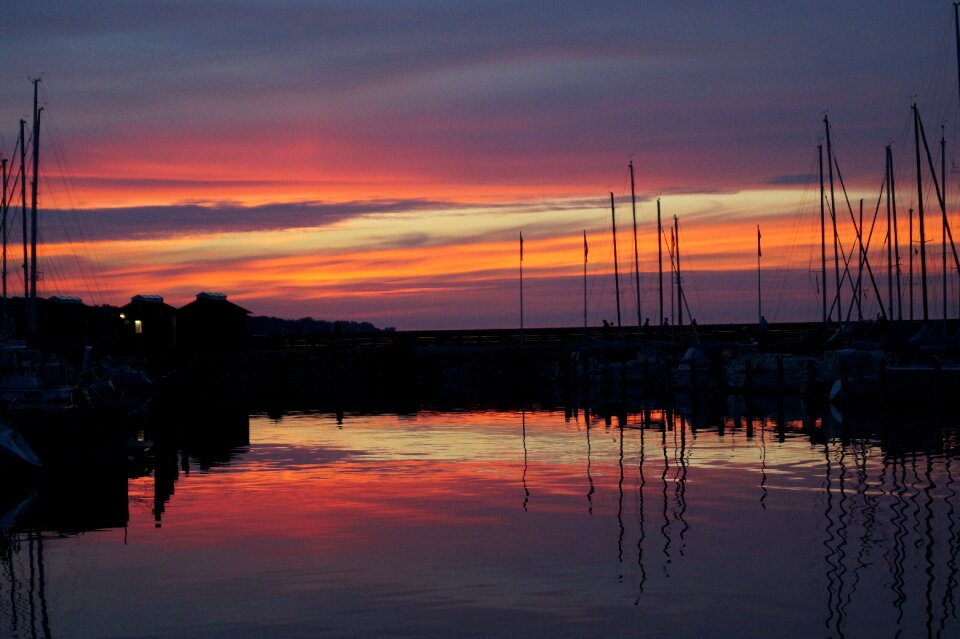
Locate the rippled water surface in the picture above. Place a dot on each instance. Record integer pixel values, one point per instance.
(504, 523)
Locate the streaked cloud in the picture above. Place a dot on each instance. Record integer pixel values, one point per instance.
(379, 159)
(197, 218)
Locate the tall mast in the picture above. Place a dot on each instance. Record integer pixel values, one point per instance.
(910, 279)
(585, 252)
(636, 251)
(616, 268)
(32, 306)
(956, 32)
(23, 203)
(3, 264)
(943, 229)
(759, 299)
(823, 238)
(676, 251)
(521, 290)
(833, 217)
(923, 236)
(860, 266)
(889, 236)
(660, 262)
(896, 238)
(673, 289)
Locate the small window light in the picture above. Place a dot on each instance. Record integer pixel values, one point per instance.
(137, 327)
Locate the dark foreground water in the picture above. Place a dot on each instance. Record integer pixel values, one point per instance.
(504, 524)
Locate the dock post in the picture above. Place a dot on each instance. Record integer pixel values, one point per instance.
(883, 379)
(645, 372)
(844, 381)
(780, 375)
(938, 384)
(811, 377)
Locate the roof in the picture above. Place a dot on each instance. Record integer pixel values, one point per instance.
(210, 301)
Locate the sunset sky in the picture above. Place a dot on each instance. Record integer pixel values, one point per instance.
(377, 161)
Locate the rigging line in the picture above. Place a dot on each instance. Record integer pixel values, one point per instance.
(54, 261)
(866, 261)
(52, 271)
(84, 237)
(855, 298)
(595, 297)
(846, 271)
(866, 247)
(70, 190)
(936, 184)
(89, 281)
(876, 212)
(683, 290)
(14, 193)
(808, 192)
(16, 147)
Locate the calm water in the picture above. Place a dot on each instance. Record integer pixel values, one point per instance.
(503, 523)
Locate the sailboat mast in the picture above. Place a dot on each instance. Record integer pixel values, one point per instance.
(896, 238)
(860, 266)
(585, 252)
(956, 31)
(23, 203)
(923, 236)
(660, 262)
(3, 264)
(673, 289)
(616, 268)
(889, 236)
(521, 290)
(636, 250)
(759, 298)
(833, 217)
(943, 229)
(823, 238)
(32, 306)
(676, 251)
(910, 279)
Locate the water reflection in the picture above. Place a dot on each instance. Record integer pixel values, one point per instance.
(894, 508)
(24, 604)
(674, 518)
(523, 431)
(38, 510)
(61, 505)
(641, 513)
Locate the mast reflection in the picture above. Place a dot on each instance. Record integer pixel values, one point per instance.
(641, 518)
(895, 502)
(24, 575)
(523, 478)
(589, 475)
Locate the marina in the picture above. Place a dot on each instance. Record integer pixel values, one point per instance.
(538, 420)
